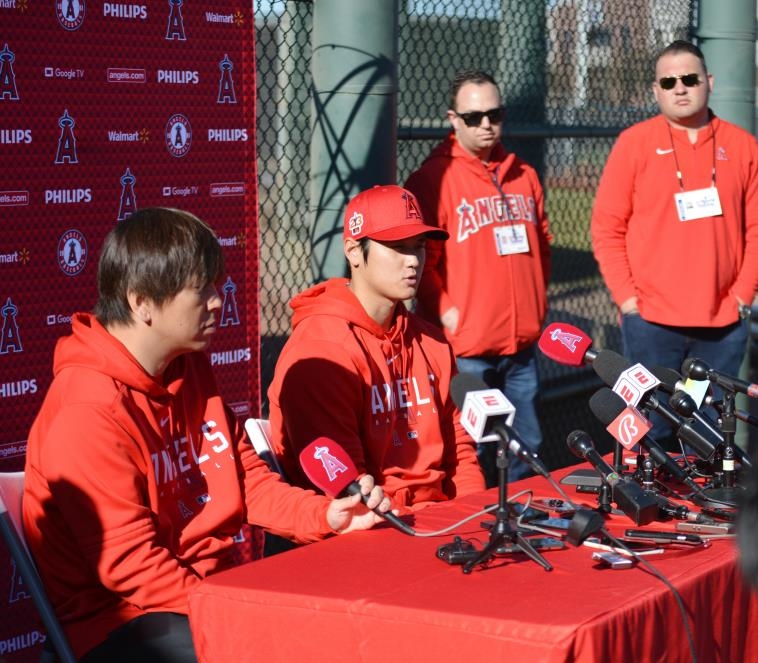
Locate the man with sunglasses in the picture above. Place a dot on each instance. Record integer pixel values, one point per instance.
(487, 284)
(675, 225)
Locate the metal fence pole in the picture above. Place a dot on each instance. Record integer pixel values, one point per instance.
(354, 121)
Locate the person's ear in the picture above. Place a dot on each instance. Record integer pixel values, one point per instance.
(353, 253)
(140, 306)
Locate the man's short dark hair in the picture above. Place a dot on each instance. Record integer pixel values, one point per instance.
(467, 76)
(681, 46)
(155, 252)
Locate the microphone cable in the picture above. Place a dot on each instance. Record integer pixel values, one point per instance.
(657, 574)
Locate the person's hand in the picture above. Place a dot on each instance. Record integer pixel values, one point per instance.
(350, 513)
(449, 319)
(629, 306)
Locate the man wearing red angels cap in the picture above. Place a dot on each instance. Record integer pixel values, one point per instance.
(361, 369)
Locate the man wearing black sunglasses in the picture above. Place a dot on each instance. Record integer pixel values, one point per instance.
(675, 225)
(486, 285)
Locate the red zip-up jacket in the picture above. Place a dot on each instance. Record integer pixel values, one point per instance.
(382, 395)
(683, 273)
(501, 299)
(135, 486)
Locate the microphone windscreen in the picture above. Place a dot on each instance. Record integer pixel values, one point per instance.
(564, 343)
(606, 405)
(328, 466)
(609, 365)
(668, 377)
(461, 384)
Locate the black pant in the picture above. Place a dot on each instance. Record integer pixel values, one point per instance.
(157, 637)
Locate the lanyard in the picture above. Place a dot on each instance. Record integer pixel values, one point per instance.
(676, 160)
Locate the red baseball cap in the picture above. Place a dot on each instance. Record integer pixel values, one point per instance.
(387, 213)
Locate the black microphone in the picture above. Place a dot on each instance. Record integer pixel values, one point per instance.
(639, 505)
(330, 469)
(482, 410)
(607, 405)
(609, 365)
(697, 369)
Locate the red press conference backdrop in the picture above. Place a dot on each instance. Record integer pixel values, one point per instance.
(106, 108)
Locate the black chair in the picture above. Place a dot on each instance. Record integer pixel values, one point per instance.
(12, 530)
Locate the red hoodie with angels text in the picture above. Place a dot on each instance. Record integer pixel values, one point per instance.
(135, 486)
(382, 395)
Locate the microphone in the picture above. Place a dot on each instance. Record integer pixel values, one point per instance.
(330, 469)
(697, 369)
(482, 411)
(609, 408)
(635, 385)
(639, 505)
(566, 344)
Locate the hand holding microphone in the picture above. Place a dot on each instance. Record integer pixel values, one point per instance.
(330, 468)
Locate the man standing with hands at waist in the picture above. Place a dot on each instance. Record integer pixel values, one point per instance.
(675, 224)
(487, 284)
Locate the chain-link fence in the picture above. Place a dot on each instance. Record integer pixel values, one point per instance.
(572, 73)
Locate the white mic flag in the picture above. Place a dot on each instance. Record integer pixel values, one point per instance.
(478, 406)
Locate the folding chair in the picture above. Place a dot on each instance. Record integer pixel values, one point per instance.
(12, 530)
(259, 432)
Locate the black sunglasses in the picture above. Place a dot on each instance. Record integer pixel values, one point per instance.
(689, 80)
(474, 118)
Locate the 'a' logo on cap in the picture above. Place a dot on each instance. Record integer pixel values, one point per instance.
(355, 223)
(411, 208)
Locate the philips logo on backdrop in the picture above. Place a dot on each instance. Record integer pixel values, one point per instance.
(67, 196)
(70, 13)
(227, 357)
(227, 135)
(72, 252)
(178, 76)
(178, 135)
(116, 10)
(15, 136)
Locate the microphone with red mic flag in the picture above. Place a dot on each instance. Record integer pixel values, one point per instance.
(566, 344)
(330, 469)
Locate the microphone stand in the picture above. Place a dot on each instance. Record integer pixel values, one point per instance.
(727, 493)
(502, 532)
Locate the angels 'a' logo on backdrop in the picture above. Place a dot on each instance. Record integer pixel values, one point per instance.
(178, 135)
(229, 314)
(72, 252)
(175, 28)
(226, 83)
(67, 141)
(10, 341)
(8, 88)
(70, 13)
(128, 203)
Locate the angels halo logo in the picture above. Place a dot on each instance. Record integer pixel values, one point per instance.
(70, 13)
(178, 135)
(72, 252)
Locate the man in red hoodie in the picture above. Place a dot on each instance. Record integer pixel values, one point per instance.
(137, 475)
(487, 284)
(361, 369)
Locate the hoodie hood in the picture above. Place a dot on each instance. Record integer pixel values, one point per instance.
(334, 298)
(500, 160)
(91, 346)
